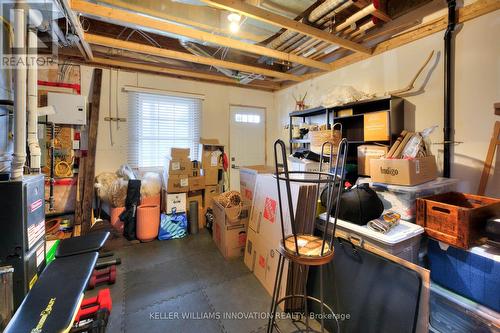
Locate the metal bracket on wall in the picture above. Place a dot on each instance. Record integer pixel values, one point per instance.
(122, 120)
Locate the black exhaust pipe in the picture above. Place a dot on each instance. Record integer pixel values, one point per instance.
(448, 87)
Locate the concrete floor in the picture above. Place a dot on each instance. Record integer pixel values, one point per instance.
(161, 281)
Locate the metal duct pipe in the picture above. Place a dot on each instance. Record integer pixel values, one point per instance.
(278, 41)
(19, 156)
(448, 87)
(34, 147)
(334, 12)
(324, 9)
(197, 51)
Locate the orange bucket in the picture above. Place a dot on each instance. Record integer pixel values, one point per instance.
(115, 218)
(154, 200)
(148, 222)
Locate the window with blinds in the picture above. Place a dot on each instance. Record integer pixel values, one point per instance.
(159, 122)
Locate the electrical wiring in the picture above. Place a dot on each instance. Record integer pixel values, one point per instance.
(63, 169)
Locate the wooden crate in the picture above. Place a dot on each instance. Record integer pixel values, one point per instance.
(456, 218)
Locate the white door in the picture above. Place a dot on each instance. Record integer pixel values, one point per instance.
(247, 140)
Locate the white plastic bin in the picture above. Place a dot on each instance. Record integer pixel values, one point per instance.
(450, 312)
(402, 199)
(402, 241)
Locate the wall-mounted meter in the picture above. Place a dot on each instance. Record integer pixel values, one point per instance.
(70, 109)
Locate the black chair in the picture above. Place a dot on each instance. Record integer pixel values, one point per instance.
(304, 248)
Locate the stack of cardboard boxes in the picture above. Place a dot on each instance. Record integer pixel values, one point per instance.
(176, 173)
(186, 181)
(210, 156)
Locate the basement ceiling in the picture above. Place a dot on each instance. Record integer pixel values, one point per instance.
(279, 42)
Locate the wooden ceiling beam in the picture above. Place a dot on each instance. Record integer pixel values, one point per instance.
(135, 20)
(464, 14)
(284, 22)
(166, 53)
(173, 18)
(268, 85)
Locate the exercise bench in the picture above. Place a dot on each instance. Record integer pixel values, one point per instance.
(54, 301)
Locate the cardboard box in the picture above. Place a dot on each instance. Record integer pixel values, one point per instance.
(205, 141)
(195, 169)
(229, 238)
(264, 216)
(230, 215)
(376, 126)
(211, 176)
(248, 180)
(175, 200)
(179, 153)
(177, 183)
(264, 263)
(211, 159)
(366, 153)
(177, 166)
(196, 183)
(249, 258)
(403, 172)
(198, 197)
(210, 192)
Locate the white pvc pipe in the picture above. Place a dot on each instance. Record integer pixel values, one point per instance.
(34, 147)
(19, 156)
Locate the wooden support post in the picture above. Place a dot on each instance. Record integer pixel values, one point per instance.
(488, 162)
(86, 174)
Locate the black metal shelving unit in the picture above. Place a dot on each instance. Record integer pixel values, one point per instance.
(353, 125)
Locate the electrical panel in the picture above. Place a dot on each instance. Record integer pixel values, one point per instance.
(70, 109)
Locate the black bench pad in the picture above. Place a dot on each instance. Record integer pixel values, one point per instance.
(55, 298)
(92, 242)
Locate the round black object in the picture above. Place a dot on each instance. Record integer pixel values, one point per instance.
(358, 205)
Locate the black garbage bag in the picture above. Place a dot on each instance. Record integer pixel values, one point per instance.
(359, 204)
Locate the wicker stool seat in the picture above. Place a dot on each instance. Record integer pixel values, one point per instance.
(309, 253)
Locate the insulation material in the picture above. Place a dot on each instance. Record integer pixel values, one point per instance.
(118, 192)
(150, 184)
(340, 95)
(103, 183)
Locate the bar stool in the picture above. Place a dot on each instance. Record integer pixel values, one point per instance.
(303, 248)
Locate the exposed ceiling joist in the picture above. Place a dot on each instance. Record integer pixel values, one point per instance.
(131, 19)
(87, 51)
(173, 18)
(465, 14)
(161, 52)
(284, 22)
(268, 85)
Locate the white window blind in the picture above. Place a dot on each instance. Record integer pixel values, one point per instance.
(159, 122)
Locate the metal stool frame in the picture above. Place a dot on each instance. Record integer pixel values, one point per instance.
(330, 180)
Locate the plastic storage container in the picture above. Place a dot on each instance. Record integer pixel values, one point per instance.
(450, 312)
(473, 273)
(402, 241)
(402, 199)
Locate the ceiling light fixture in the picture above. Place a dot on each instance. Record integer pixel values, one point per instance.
(234, 19)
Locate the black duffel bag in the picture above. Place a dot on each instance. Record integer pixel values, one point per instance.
(358, 204)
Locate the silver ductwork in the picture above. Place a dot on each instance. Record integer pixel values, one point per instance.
(244, 78)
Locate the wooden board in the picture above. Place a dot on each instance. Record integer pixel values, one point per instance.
(84, 215)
